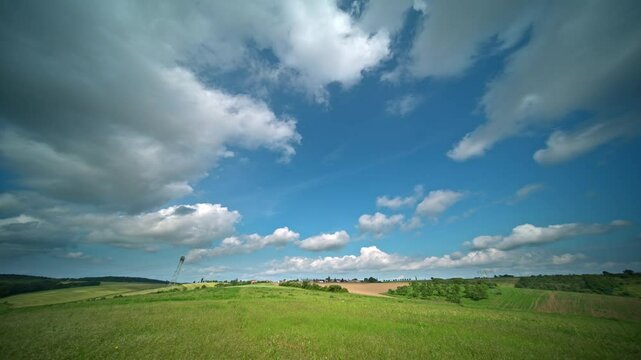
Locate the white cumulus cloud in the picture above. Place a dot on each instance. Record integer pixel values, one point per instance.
(190, 225)
(325, 241)
(57, 227)
(565, 259)
(135, 124)
(379, 224)
(244, 244)
(437, 201)
(372, 258)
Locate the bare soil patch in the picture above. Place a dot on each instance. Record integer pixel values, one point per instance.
(371, 289)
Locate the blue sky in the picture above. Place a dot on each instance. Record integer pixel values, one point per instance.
(313, 139)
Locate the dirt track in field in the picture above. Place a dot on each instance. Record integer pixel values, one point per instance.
(371, 289)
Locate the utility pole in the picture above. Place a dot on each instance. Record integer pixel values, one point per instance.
(177, 272)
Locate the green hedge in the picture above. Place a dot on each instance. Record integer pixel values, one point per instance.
(313, 286)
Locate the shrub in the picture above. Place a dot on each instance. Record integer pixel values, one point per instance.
(336, 288)
(453, 293)
(291, 283)
(476, 292)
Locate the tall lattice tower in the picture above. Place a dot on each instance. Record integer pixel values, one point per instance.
(177, 272)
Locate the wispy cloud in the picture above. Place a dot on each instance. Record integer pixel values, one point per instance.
(564, 146)
(524, 192)
(398, 202)
(529, 235)
(403, 105)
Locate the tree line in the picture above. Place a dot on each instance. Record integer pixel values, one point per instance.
(14, 288)
(607, 283)
(12, 284)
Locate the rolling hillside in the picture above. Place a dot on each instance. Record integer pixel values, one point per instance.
(265, 321)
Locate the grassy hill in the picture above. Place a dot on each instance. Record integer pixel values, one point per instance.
(263, 321)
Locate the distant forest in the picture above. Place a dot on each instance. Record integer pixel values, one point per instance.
(12, 284)
(623, 284)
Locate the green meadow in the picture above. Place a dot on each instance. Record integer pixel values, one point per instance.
(271, 322)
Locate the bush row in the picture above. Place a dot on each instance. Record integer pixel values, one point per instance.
(233, 283)
(452, 291)
(313, 286)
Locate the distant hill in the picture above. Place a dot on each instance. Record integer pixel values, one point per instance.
(12, 284)
(122, 279)
(15, 277)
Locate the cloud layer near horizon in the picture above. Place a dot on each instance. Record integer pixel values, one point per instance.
(372, 258)
(51, 228)
(487, 251)
(279, 238)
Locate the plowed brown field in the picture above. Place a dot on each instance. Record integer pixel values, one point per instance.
(371, 289)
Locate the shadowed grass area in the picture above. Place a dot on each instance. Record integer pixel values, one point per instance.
(272, 322)
(76, 294)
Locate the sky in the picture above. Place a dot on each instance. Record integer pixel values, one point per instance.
(306, 139)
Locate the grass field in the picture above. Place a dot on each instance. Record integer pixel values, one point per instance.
(561, 302)
(591, 304)
(267, 321)
(511, 298)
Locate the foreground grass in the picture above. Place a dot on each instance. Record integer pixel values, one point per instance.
(272, 322)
